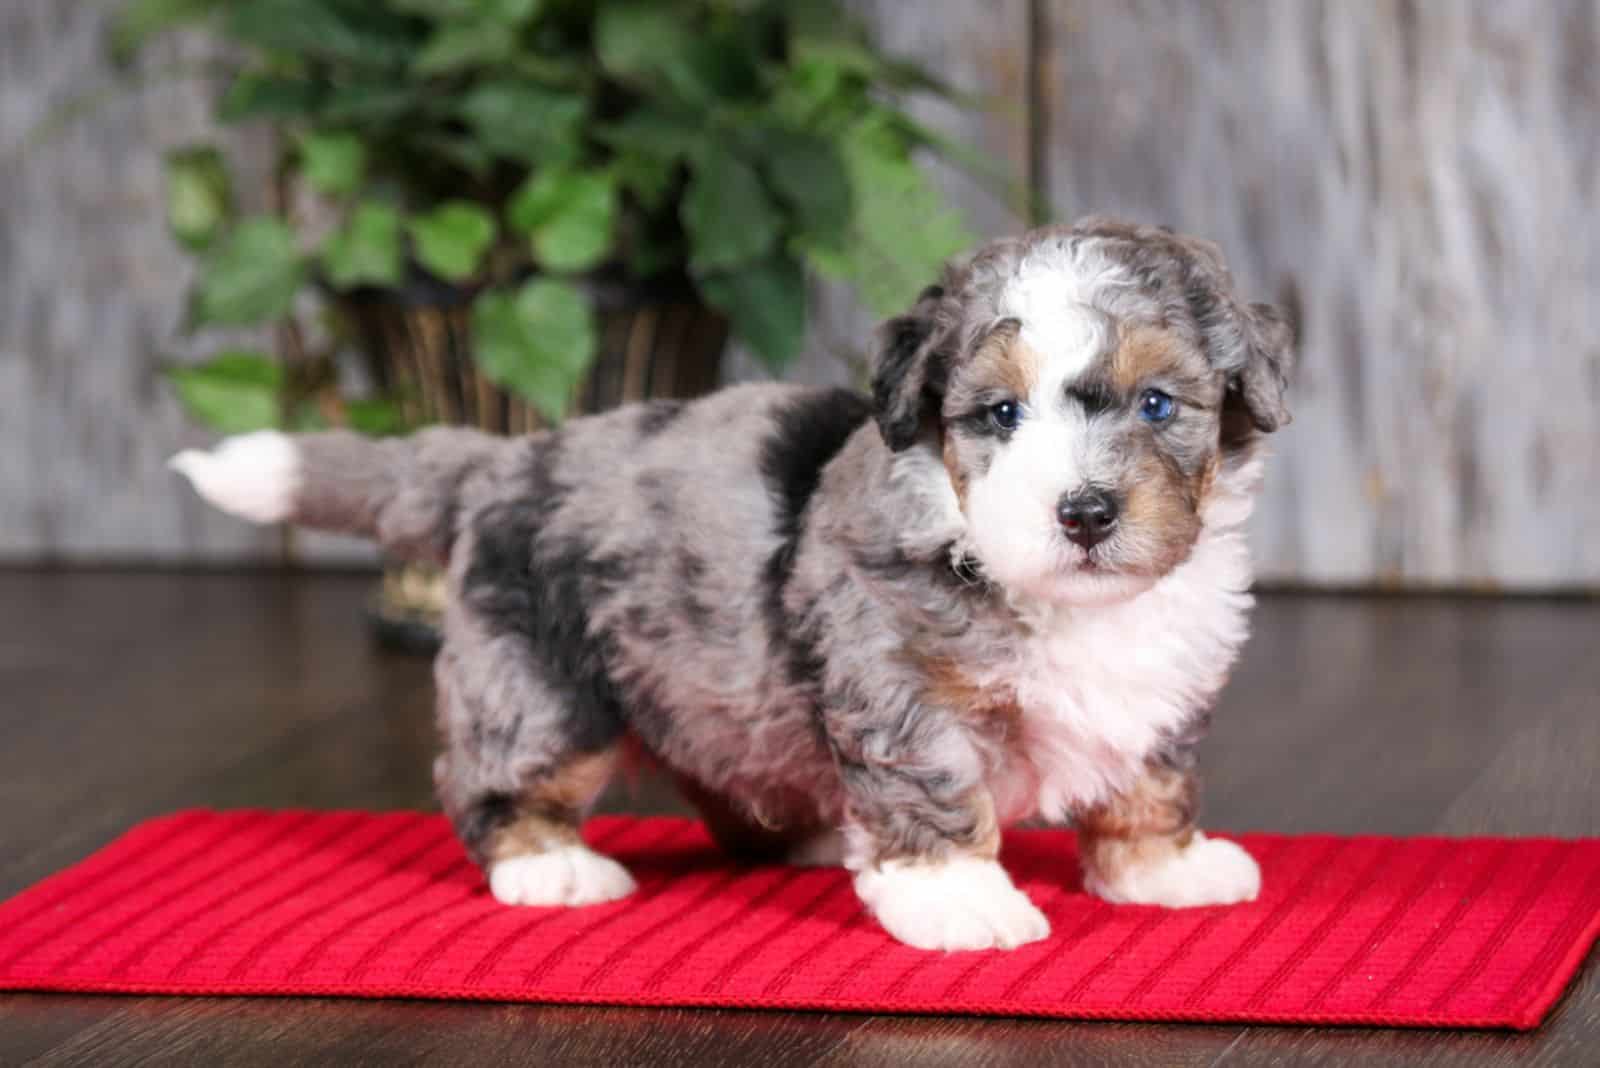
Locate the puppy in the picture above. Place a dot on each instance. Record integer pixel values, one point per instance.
(871, 632)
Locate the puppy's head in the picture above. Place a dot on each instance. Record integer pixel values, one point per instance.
(1086, 387)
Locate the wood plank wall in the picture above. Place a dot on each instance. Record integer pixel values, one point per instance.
(1421, 177)
(91, 294)
(1424, 175)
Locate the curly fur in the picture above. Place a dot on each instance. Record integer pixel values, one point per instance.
(829, 614)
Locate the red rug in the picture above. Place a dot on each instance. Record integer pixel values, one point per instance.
(1398, 932)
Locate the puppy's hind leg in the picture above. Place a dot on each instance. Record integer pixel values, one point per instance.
(535, 857)
(517, 777)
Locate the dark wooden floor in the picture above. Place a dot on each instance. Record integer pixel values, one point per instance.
(124, 696)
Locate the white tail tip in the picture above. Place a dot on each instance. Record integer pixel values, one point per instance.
(253, 476)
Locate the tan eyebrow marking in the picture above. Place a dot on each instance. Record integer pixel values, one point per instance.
(1142, 353)
(1008, 360)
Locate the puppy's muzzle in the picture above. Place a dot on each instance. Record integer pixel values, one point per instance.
(1088, 517)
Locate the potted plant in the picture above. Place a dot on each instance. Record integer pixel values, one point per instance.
(511, 208)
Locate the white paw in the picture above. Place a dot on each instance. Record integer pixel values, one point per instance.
(825, 849)
(253, 476)
(1207, 871)
(961, 903)
(566, 875)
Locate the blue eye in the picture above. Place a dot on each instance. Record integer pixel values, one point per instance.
(1005, 415)
(1156, 406)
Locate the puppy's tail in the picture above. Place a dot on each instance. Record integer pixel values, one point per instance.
(402, 492)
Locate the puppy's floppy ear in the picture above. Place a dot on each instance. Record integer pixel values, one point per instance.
(1252, 343)
(907, 369)
(1269, 359)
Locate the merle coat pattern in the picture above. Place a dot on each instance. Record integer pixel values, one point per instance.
(854, 627)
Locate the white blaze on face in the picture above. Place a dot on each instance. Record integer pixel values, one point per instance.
(1057, 320)
(1011, 508)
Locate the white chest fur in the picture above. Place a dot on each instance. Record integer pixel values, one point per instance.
(1102, 687)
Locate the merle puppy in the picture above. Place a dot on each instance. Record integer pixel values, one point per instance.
(863, 632)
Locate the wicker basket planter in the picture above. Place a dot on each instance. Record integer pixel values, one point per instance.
(655, 340)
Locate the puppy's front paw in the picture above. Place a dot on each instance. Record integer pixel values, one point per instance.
(959, 903)
(1207, 871)
(566, 875)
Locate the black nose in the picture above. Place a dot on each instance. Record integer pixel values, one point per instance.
(1088, 517)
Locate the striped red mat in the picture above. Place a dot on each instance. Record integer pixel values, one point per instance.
(1401, 932)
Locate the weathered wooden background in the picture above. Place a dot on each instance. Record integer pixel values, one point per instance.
(1423, 177)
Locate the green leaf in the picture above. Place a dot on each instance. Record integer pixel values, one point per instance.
(510, 13)
(635, 39)
(374, 416)
(991, 173)
(647, 177)
(809, 91)
(505, 11)
(141, 19)
(367, 249)
(649, 144)
(374, 102)
(252, 277)
(266, 96)
(821, 20)
(438, 9)
(199, 196)
(841, 40)
(573, 70)
(537, 341)
(654, 131)
(849, 55)
(807, 173)
(334, 163)
(766, 304)
(663, 47)
(568, 215)
(450, 240)
(234, 393)
(903, 231)
(461, 150)
(526, 122)
(454, 46)
(727, 213)
(830, 261)
(353, 32)
(715, 66)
